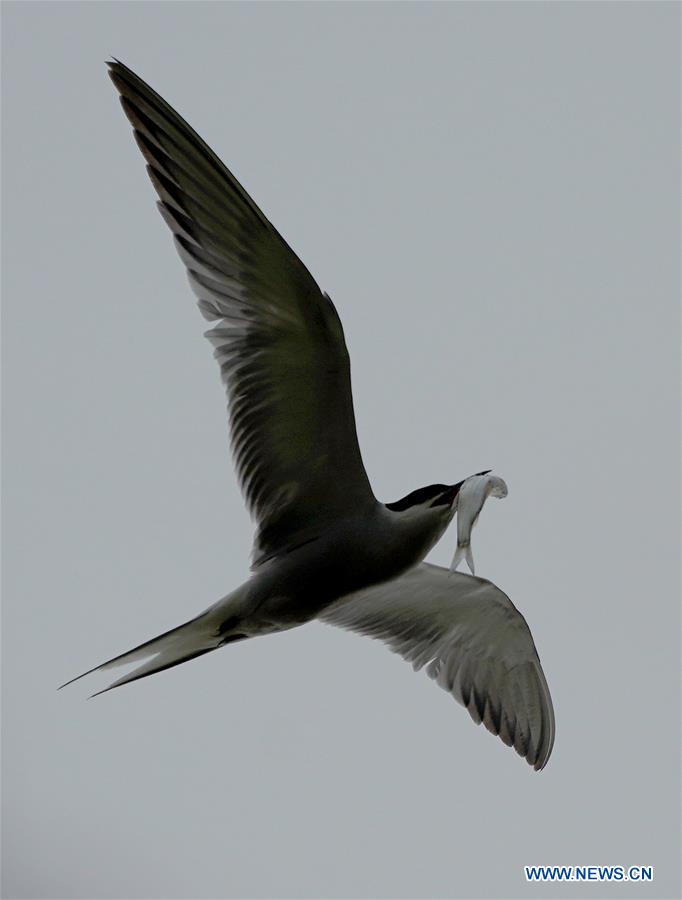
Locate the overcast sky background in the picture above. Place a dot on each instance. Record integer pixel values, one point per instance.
(490, 195)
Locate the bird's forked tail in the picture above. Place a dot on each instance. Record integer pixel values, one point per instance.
(198, 636)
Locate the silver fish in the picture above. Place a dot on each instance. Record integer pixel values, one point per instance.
(472, 495)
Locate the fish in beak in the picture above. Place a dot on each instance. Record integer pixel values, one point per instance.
(471, 497)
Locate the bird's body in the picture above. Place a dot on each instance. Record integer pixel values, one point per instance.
(296, 587)
(325, 547)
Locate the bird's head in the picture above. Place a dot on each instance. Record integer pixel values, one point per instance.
(422, 517)
(436, 499)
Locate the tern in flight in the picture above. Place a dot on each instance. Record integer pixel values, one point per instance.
(325, 547)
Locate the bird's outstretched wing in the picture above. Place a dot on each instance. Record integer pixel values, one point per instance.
(278, 339)
(474, 642)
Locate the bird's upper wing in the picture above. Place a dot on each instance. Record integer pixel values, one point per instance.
(474, 642)
(278, 340)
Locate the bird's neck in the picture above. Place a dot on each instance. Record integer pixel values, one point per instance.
(415, 533)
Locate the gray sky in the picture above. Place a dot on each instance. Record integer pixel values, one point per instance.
(490, 195)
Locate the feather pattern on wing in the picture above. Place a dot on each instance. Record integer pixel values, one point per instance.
(278, 339)
(473, 642)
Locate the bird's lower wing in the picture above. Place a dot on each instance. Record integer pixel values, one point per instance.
(474, 643)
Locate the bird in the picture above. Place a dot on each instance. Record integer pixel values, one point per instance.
(324, 548)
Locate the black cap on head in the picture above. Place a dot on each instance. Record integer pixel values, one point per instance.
(438, 494)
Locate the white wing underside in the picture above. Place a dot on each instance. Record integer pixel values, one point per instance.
(473, 642)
